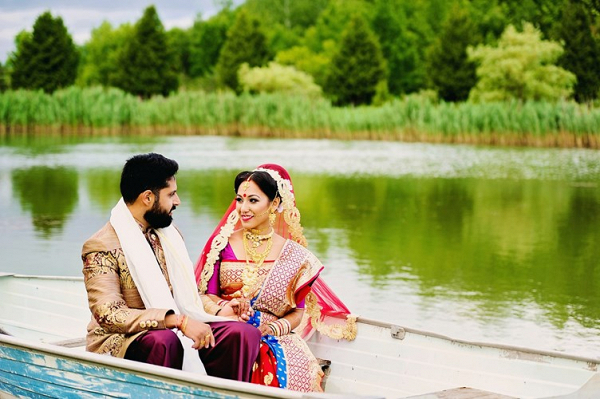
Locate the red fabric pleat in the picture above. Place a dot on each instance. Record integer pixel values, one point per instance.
(265, 369)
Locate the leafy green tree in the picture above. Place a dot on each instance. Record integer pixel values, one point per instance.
(488, 18)
(304, 59)
(400, 47)
(542, 14)
(313, 55)
(593, 5)
(100, 54)
(448, 67)
(332, 21)
(146, 63)
(245, 44)
(582, 52)
(47, 59)
(287, 20)
(357, 67)
(276, 78)
(522, 66)
(207, 39)
(21, 37)
(291, 14)
(180, 43)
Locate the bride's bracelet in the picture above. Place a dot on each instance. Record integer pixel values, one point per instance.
(280, 327)
(222, 302)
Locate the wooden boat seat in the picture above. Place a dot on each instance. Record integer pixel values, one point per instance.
(462, 393)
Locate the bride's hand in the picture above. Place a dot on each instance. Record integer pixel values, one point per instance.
(265, 329)
(242, 309)
(228, 310)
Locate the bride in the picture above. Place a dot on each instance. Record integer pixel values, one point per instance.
(256, 262)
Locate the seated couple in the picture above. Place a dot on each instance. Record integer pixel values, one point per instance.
(243, 316)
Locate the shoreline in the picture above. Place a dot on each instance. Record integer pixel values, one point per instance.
(548, 140)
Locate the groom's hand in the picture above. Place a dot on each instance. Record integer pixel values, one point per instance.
(200, 333)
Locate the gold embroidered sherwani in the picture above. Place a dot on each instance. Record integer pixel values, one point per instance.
(118, 312)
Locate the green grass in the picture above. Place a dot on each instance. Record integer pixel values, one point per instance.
(108, 110)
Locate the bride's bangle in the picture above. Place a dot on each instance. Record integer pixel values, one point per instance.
(280, 327)
(287, 327)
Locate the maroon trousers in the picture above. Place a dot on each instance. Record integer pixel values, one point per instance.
(232, 357)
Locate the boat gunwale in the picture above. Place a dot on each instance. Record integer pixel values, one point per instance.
(155, 372)
(388, 325)
(508, 347)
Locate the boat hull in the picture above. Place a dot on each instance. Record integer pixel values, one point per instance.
(32, 370)
(384, 360)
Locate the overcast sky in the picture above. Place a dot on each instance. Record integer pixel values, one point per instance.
(81, 16)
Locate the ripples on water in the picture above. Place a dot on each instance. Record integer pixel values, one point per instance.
(332, 157)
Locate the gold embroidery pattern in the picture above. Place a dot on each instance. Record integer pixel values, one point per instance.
(274, 295)
(124, 274)
(107, 262)
(268, 378)
(99, 263)
(159, 253)
(100, 331)
(216, 246)
(113, 344)
(112, 316)
(346, 330)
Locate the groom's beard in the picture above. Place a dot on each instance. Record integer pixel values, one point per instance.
(158, 218)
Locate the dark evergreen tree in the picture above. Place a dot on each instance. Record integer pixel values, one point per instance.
(146, 63)
(207, 39)
(543, 14)
(245, 44)
(357, 67)
(448, 68)
(47, 59)
(582, 52)
(3, 84)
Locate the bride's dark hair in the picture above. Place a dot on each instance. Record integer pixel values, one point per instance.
(262, 179)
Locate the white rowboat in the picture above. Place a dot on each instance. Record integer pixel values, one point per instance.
(44, 320)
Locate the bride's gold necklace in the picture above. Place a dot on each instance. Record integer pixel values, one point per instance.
(252, 241)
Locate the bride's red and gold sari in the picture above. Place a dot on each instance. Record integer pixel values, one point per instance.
(278, 287)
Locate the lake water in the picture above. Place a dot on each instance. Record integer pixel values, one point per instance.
(479, 243)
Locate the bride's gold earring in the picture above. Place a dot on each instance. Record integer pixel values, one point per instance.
(272, 217)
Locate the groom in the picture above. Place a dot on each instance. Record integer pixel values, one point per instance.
(141, 287)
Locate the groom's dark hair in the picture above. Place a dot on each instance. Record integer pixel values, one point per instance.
(146, 172)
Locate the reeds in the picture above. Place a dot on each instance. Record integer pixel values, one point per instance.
(98, 111)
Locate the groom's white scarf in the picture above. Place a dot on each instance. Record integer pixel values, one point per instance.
(150, 282)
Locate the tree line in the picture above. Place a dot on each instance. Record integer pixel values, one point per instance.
(351, 52)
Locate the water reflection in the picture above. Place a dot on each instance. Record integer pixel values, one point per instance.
(103, 187)
(497, 243)
(206, 191)
(33, 144)
(50, 194)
